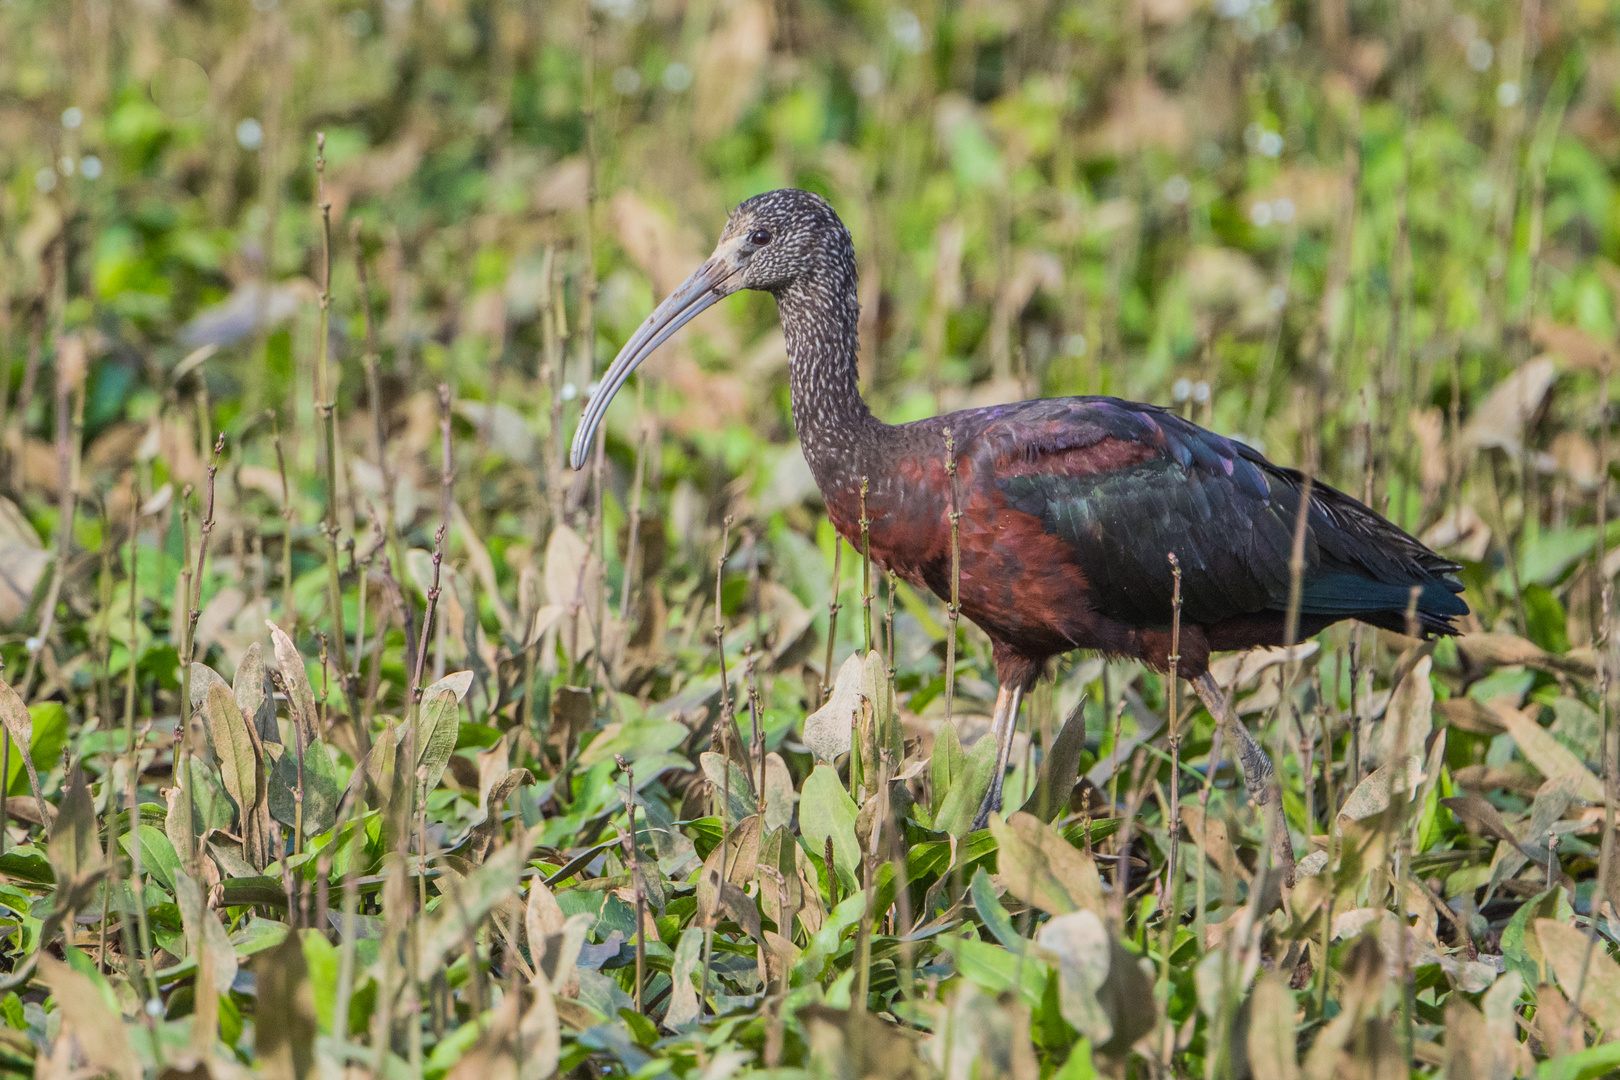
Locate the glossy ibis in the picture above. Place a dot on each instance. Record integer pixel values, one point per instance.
(1069, 506)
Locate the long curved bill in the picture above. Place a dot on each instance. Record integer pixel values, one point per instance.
(709, 284)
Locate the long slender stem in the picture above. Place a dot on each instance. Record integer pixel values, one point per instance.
(832, 618)
(954, 612)
(1172, 879)
(866, 571)
(289, 612)
(326, 405)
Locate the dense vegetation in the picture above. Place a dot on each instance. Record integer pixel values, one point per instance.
(354, 732)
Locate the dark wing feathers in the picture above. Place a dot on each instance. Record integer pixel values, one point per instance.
(1125, 484)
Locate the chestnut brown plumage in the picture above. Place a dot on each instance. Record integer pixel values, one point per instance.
(1069, 506)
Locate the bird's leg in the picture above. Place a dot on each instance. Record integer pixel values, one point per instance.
(1259, 777)
(1002, 725)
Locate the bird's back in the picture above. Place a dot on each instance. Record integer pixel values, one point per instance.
(1076, 503)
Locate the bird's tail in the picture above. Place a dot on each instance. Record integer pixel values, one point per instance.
(1385, 604)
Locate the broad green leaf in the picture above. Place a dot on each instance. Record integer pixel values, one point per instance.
(683, 1001)
(961, 803)
(239, 764)
(1061, 769)
(158, 856)
(995, 917)
(993, 968)
(946, 765)
(733, 788)
(1041, 868)
(323, 788)
(75, 843)
(438, 723)
(826, 810)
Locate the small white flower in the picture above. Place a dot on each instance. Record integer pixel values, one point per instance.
(1177, 189)
(1200, 391)
(1181, 390)
(250, 134)
(72, 117)
(677, 77)
(90, 167)
(45, 179)
(1271, 143)
(1276, 298)
(1260, 214)
(569, 391)
(1283, 210)
(1480, 54)
(626, 81)
(867, 80)
(66, 165)
(906, 29)
(1508, 95)
(1075, 344)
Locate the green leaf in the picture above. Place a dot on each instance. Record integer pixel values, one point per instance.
(75, 843)
(961, 803)
(157, 854)
(438, 723)
(1040, 867)
(946, 766)
(732, 785)
(992, 968)
(323, 788)
(239, 763)
(466, 902)
(995, 917)
(826, 810)
(1585, 1064)
(1061, 769)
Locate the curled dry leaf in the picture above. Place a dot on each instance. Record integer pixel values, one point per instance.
(19, 724)
(1512, 405)
(1567, 949)
(87, 1018)
(827, 731)
(1041, 868)
(300, 695)
(284, 1038)
(23, 559)
(1550, 757)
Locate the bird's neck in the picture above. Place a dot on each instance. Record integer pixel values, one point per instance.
(821, 323)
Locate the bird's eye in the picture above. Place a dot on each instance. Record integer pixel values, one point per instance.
(759, 237)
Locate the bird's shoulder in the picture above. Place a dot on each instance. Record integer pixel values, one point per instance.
(1089, 436)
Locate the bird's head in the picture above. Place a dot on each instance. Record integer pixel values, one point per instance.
(770, 242)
